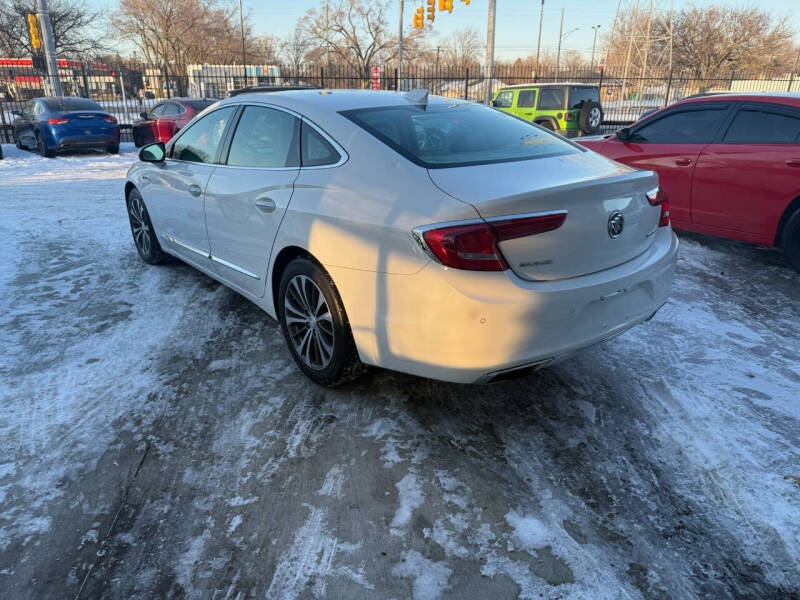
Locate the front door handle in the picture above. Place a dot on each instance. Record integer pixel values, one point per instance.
(793, 162)
(683, 162)
(195, 190)
(265, 204)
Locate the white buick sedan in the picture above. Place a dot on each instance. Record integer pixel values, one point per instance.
(420, 234)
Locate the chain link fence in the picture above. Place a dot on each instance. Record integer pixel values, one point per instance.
(126, 90)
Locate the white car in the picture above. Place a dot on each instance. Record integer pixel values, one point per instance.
(421, 234)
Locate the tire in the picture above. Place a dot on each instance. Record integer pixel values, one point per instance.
(790, 240)
(17, 143)
(113, 149)
(144, 236)
(41, 147)
(591, 118)
(325, 350)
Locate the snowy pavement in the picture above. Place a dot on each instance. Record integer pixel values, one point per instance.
(156, 439)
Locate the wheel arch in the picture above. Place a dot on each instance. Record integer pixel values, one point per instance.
(547, 119)
(793, 207)
(286, 255)
(129, 185)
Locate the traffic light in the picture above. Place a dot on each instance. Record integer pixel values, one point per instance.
(33, 29)
(419, 18)
(448, 5)
(431, 10)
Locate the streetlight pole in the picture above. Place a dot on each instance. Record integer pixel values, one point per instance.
(49, 47)
(244, 58)
(539, 43)
(400, 51)
(490, 51)
(594, 43)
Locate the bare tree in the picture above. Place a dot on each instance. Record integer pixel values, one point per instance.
(294, 49)
(462, 48)
(71, 21)
(264, 49)
(357, 32)
(711, 41)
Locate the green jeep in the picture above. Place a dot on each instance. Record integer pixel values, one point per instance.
(571, 109)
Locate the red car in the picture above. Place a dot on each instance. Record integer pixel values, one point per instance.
(729, 164)
(166, 118)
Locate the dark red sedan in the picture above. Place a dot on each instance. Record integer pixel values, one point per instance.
(166, 118)
(729, 164)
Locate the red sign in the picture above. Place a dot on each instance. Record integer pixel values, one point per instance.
(376, 78)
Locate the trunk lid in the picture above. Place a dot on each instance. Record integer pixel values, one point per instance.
(589, 187)
(86, 122)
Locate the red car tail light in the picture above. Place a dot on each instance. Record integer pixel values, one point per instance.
(473, 246)
(109, 119)
(58, 120)
(657, 197)
(663, 221)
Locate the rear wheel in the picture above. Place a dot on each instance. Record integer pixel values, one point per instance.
(315, 325)
(790, 242)
(113, 149)
(144, 236)
(41, 147)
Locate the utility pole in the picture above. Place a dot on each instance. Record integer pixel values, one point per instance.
(400, 83)
(594, 43)
(539, 43)
(437, 69)
(327, 41)
(560, 33)
(490, 51)
(244, 58)
(49, 47)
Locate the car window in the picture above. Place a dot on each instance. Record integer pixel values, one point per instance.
(265, 138)
(73, 103)
(457, 134)
(199, 142)
(38, 108)
(682, 127)
(756, 126)
(504, 99)
(158, 110)
(171, 109)
(551, 99)
(526, 99)
(316, 150)
(580, 95)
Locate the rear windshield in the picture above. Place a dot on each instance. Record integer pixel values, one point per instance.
(198, 105)
(66, 104)
(579, 95)
(457, 135)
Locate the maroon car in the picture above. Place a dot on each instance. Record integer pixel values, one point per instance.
(167, 118)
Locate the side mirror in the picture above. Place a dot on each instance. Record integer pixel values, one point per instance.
(16, 113)
(143, 115)
(494, 103)
(152, 153)
(624, 134)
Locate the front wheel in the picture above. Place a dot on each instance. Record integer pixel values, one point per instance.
(144, 236)
(315, 325)
(790, 242)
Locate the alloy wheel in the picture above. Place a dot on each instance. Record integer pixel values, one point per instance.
(139, 226)
(308, 322)
(594, 117)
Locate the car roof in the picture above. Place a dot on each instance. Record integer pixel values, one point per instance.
(333, 100)
(559, 84)
(789, 98)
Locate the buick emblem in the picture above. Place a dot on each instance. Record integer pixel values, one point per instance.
(616, 223)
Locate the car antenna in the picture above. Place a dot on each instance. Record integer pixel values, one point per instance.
(418, 96)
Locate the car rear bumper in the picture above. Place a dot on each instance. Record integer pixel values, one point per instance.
(86, 141)
(472, 327)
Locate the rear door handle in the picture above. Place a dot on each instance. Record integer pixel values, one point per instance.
(195, 190)
(793, 162)
(683, 162)
(265, 204)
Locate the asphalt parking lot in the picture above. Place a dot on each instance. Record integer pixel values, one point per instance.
(156, 439)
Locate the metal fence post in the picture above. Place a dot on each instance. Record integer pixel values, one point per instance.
(466, 83)
(669, 87)
(396, 81)
(3, 121)
(322, 77)
(87, 92)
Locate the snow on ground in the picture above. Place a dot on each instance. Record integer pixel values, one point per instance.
(156, 440)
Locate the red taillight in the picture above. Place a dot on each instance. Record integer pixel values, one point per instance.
(109, 119)
(58, 120)
(657, 197)
(663, 221)
(473, 246)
